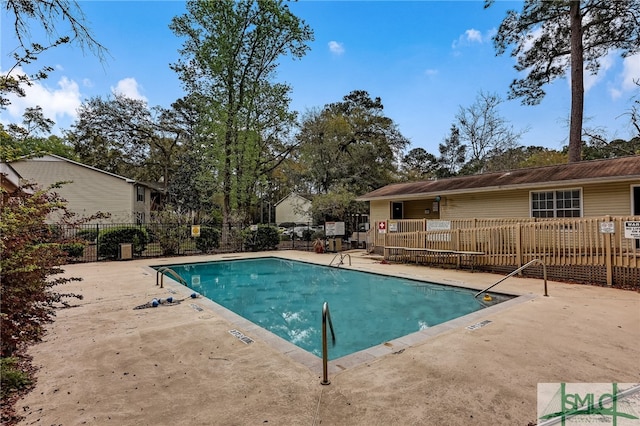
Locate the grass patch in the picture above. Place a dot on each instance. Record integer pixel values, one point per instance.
(17, 379)
(12, 378)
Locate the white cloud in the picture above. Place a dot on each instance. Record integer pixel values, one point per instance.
(532, 38)
(627, 78)
(472, 36)
(129, 87)
(630, 72)
(336, 48)
(58, 104)
(430, 72)
(615, 93)
(590, 80)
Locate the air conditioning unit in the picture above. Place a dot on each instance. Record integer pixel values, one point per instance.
(125, 252)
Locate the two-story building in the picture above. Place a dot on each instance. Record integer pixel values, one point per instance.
(89, 190)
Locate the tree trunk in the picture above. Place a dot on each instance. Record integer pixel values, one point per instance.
(577, 83)
(226, 187)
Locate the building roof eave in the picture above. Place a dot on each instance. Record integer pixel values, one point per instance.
(582, 172)
(527, 186)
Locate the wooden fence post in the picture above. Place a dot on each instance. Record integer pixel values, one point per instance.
(519, 260)
(608, 253)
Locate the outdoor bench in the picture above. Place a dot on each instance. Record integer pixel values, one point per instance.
(425, 255)
(394, 253)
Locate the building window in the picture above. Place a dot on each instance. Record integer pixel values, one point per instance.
(566, 203)
(396, 210)
(140, 193)
(139, 218)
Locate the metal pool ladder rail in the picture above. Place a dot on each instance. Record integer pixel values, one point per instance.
(164, 270)
(326, 317)
(544, 273)
(341, 260)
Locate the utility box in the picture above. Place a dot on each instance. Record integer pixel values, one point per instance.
(125, 251)
(335, 244)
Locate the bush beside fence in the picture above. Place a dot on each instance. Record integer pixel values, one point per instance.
(97, 242)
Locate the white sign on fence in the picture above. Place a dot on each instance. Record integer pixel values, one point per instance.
(632, 230)
(334, 228)
(438, 225)
(607, 227)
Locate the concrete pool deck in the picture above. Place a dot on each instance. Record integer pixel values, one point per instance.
(103, 362)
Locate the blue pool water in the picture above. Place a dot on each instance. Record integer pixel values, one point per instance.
(286, 298)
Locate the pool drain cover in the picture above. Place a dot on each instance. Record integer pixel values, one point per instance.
(478, 325)
(244, 339)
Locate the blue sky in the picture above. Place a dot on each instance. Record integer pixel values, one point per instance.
(424, 59)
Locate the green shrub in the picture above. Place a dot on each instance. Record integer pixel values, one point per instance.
(152, 235)
(29, 266)
(12, 379)
(73, 250)
(307, 234)
(170, 236)
(285, 237)
(55, 232)
(87, 234)
(265, 238)
(208, 240)
(110, 240)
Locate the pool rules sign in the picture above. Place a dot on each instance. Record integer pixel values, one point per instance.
(632, 230)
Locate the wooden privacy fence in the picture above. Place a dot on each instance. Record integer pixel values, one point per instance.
(563, 243)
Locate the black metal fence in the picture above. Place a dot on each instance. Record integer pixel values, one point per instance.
(112, 241)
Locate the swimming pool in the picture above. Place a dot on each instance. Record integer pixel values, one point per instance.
(286, 297)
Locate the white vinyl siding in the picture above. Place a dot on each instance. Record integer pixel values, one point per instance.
(508, 203)
(293, 209)
(600, 199)
(89, 191)
(606, 199)
(378, 211)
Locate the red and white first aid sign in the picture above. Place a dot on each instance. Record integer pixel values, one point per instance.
(382, 227)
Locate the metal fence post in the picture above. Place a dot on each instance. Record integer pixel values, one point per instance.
(97, 241)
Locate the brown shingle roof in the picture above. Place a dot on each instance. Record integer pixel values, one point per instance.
(624, 168)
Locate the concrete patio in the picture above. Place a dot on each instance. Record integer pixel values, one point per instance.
(103, 362)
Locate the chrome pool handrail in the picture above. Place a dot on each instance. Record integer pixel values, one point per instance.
(161, 272)
(341, 261)
(326, 317)
(544, 273)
